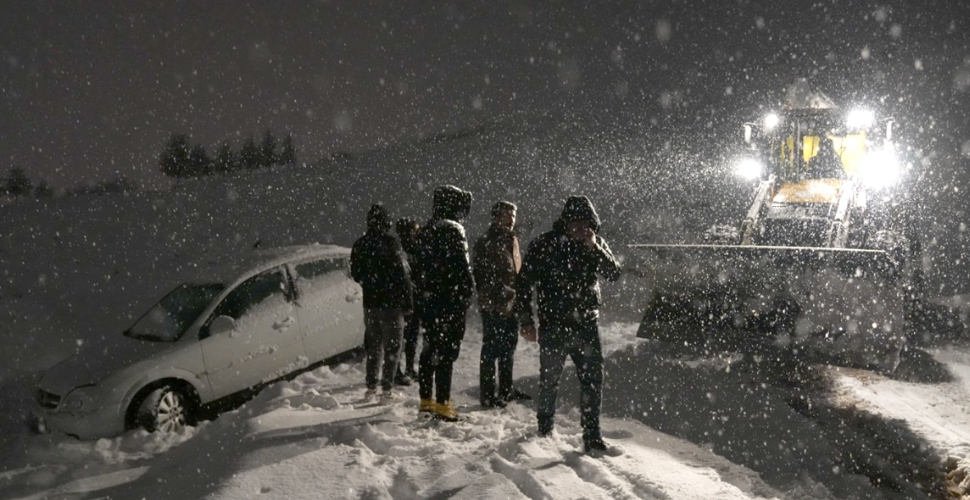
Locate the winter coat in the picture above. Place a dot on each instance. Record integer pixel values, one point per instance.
(407, 235)
(564, 273)
(379, 264)
(496, 262)
(445, 279)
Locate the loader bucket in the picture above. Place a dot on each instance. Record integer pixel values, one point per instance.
(844, 305)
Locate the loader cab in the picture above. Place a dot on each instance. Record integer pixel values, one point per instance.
(813, 144)
(812, 159)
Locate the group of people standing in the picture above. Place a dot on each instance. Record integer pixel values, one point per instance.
(423, 279)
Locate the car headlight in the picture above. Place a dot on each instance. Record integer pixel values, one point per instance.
(749, 168)
(880, 169)
(79, 399)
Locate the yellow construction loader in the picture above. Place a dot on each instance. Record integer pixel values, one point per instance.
(818, 264)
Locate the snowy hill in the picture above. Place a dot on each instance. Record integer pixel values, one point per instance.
(692, 425)
(122, 251)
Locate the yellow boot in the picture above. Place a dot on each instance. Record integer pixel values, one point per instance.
(446, 412)
(427, 406)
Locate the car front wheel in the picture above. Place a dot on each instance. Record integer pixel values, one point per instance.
(166, 409)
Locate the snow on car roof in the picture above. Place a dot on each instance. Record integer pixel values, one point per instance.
(226, 268)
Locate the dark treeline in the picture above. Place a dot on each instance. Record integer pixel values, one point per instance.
(181, 160)
(18, 185)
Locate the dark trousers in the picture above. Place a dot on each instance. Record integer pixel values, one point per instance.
(581, 342)
(443, 333)
(383, 329)
(412, 330)
(500, 335)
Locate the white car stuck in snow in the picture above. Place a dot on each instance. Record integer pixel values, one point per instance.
(239, 323)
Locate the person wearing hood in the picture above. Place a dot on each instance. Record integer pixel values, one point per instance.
(379, 265)
(496, 262)
(562, 269)
(445, 291)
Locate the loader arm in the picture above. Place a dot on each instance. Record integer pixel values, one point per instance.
(839, 230)
(762, 195)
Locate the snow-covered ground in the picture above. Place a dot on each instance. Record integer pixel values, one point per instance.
(317, 437)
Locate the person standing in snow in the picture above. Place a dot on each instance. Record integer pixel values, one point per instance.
(445, 291)
(563, 266)
(407, 232)
(378, 264)
(496, 262)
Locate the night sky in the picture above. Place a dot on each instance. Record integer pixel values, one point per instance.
(90, 90)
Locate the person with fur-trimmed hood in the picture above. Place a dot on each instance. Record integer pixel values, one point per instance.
(378, 264)
(563, 267)
(446, 286)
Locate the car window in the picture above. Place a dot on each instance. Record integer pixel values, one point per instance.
(319, 282)
(251, 293)
(310, 270)
(168, 320)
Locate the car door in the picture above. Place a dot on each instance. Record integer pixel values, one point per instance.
(265, 343)
(330, 307)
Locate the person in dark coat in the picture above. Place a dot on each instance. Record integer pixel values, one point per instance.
(563, 267)
(496, 262)
(445, 293)
(378, 264)
(407, 232)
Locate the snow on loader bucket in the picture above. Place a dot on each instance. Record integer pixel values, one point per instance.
(843, 305)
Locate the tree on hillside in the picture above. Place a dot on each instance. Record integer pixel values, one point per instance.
(199, 162)
(225, 161)
(18, 184)
(287, 154)
(174, 161)
(249, 155)
(267, 150)
(120, 184)
(116, 185)
(44, 190)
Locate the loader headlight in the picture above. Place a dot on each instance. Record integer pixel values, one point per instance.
(771, 121)
(880, 168)
(749, 168)
(860, 118)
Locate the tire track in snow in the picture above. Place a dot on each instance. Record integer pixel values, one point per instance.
(897, 400)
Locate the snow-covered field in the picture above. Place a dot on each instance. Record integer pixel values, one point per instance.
(317, 437)
(691, 425)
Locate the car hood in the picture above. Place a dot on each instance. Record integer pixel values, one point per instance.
(98, 362)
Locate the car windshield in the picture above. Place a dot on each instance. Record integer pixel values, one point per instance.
(168, 320)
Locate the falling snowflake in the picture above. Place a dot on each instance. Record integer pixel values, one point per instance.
(664, 31)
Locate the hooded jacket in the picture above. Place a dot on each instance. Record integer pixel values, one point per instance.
(379, 264)
(445, 278)
(564, 273)
(496, 262)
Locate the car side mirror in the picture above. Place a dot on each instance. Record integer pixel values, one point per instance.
(222, 324)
